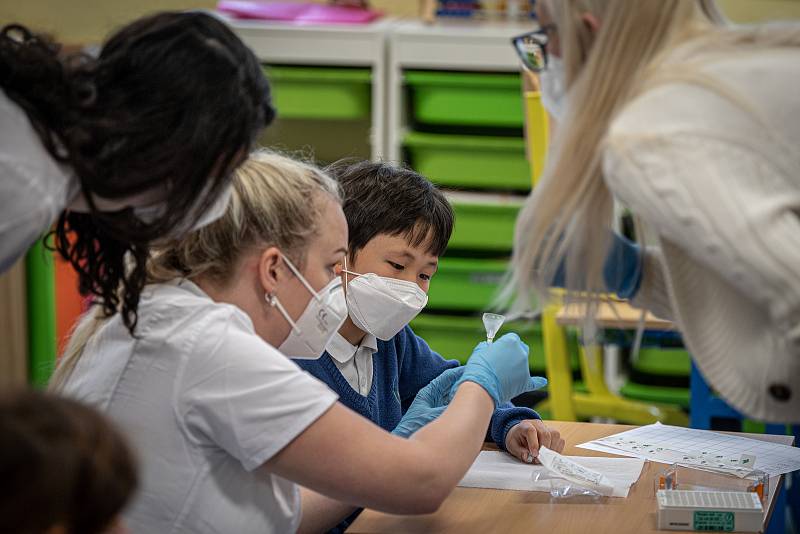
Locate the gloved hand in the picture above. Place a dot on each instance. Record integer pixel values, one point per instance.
(622, 270)
(501, 368)
(429, 403)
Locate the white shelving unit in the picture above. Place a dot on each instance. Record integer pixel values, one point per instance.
(457, 45)
(333, 45)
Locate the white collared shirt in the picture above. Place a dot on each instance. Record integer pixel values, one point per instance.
(205, 401)
(355, 363)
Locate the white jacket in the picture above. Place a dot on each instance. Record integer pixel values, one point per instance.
(717, 179)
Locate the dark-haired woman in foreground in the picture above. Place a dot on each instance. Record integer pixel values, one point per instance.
(119, 151)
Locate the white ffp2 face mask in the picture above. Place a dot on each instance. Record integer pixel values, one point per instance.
(324, 315)
(153, 212)
(383, 306)
(216, 210)
(553, 88)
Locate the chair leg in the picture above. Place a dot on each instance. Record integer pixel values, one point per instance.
(559, 372)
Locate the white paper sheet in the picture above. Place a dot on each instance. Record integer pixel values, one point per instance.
(500, 470)
(702, 449)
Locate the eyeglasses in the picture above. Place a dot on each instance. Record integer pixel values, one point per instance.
(531, 48)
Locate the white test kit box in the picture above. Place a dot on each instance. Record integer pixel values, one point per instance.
(709, 511)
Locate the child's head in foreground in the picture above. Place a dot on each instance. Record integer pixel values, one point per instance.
(64, 468)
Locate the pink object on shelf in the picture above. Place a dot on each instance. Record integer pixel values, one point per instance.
(297, 12)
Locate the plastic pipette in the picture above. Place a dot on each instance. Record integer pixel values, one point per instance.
(492, 322)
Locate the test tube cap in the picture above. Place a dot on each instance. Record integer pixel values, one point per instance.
(492, 322)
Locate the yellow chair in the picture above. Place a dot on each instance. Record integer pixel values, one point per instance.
(565, 404)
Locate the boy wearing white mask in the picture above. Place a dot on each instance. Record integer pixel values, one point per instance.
(399, 224)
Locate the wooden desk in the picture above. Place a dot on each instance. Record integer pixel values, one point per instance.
(620, 315)
(470, 510)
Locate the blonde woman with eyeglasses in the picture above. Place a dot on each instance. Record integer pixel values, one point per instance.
(694, 125)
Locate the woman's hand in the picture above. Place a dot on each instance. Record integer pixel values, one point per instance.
(429, 403)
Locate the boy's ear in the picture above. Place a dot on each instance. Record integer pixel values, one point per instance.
(270, 269)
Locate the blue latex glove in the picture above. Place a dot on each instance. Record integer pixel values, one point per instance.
(622, 270)
(429, 403)
(501, 368)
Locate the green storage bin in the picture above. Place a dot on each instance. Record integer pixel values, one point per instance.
(660, 362)
(466, 98)
(454, 337)
(469, 161)
(465, 284)
(485, 226)
(663, 362)
(658, 394)
(320, 92)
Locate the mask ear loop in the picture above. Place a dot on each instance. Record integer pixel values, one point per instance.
(301, 278)
(346, 272)
(273, 302)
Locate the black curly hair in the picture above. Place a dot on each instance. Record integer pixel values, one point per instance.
(171, 106)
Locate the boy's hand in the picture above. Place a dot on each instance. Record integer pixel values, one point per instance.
(525, 438)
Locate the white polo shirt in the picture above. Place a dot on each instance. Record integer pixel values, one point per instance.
(205, 401)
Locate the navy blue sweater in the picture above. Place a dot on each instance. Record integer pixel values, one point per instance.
(400, 368)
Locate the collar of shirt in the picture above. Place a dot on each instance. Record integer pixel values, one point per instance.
(342, 351)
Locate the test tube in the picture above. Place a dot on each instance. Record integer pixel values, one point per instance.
(492, 322)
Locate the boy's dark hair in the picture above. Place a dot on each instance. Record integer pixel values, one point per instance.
(61, 463)
(381, 198)
(173, 101)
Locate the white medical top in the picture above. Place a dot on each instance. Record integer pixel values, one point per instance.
(34, 188)
(205, 402)
(355, 363)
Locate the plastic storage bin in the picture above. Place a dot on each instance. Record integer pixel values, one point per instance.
(465, 284)
(454, 337)
(654, 367)
(484, 225)
(465, 98)
(320, 92)
(480, 162)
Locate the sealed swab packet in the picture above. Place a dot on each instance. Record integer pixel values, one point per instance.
(575, 473)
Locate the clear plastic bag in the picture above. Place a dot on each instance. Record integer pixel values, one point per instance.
(561, 488)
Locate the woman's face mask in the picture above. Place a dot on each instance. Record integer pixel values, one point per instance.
(553, 88)
(324, 314)
(153, 212)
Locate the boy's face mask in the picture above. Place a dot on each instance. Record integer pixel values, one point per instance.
(380, 305)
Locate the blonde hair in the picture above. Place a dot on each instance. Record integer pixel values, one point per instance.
(569, 215)
(276, 201)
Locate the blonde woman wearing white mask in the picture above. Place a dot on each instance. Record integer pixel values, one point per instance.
(695, 127)
(224, 423)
